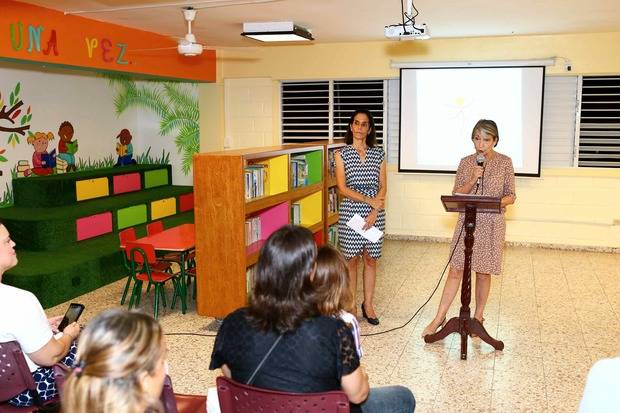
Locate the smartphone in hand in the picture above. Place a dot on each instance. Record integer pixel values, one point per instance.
(71, 316)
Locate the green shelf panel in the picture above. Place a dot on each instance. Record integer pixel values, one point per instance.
(158, 177)
(314, 160)
(128, 217)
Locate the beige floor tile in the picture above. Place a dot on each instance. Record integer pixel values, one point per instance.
(556, 311)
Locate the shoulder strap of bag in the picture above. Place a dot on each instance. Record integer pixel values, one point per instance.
(251, 379)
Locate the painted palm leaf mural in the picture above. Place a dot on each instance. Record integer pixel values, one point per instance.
(176, 105)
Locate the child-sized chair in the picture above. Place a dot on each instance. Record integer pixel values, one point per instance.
(125, 236)
(144, 264)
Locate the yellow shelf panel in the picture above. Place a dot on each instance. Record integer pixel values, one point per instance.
(163, 208)
(91, 188)
(277, 175)
(311, 209)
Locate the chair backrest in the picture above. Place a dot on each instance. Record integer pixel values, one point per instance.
(127, 235)
(15, 376)
(134, 253)
(154, 227)
(238, 398)
(167, 396)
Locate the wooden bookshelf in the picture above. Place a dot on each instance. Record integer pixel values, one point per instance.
(330, 182)
(221, 210)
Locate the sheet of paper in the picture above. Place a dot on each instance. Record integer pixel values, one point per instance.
(372, 234)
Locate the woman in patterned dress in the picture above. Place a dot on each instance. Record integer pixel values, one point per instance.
(495, 178)
(362, 182)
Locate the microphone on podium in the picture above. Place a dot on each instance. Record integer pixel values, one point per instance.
(480, 159)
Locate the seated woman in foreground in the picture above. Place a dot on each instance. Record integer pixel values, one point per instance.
(309, 352)
(121, 366)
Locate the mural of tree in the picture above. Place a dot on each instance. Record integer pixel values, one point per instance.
(10, 120)
(178, 111)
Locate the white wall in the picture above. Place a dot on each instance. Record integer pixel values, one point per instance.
(87, 101)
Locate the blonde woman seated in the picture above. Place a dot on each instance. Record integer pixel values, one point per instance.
(121, 366)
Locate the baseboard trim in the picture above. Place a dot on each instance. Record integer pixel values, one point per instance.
(542, 245)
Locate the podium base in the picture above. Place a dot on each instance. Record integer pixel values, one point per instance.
(465, 326)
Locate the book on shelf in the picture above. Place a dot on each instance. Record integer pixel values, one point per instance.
(250, 274)
(296, 213)
(299, 170)
(332, 235)
(252, 230)
(331, 162)
(332, 200)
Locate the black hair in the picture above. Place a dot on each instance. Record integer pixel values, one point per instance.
(63, 124)
(283, 295)
(371, 138)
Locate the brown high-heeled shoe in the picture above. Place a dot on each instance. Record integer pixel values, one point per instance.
(474, 334)
(428, 331)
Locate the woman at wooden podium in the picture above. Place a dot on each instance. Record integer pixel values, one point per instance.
(484, 172)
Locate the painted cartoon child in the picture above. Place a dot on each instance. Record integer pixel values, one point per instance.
(124, 149)
(66, 147)
(43, 163)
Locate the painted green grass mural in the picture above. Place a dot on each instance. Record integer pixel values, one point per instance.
(177, 110)
(110, 160)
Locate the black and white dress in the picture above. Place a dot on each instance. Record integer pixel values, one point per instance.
(362, 177)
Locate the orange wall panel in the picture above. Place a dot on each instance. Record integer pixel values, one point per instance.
(38, 34)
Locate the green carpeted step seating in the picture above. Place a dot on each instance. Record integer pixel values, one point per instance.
(66, 226)
(60, 275)
(67, 189)
(59, 227)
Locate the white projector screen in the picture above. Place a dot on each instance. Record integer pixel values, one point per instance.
(440, 106)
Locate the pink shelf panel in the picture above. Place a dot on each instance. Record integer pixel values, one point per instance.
(273, 218)
(93, 225)
(126, 183)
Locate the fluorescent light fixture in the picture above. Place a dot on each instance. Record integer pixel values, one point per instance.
(480, 63)
(276, 32)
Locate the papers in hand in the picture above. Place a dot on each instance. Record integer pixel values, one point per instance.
(372, 234)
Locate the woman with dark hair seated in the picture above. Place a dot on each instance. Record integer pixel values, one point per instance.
(281, 342)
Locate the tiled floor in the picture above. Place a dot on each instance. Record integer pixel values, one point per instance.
(556, 311)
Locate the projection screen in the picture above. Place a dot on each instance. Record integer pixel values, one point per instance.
(439, 107)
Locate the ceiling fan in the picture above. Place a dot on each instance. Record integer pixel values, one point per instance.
(187, 45)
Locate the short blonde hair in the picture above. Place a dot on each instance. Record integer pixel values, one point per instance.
(114, 351)
(331, 281)
(40, 135)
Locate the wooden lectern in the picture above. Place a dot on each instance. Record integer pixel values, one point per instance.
(464, 324)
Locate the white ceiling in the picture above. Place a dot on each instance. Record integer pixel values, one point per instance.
(358, 20)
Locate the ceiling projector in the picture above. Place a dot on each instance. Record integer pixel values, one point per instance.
(407, 32)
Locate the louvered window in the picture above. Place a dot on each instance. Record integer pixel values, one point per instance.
(599, 127)
(321, 110)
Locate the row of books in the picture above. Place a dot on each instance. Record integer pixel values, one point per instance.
(332, 200)
(299, 171)
(252, 230)
(255, 177)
